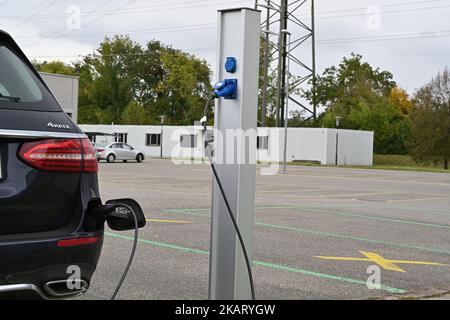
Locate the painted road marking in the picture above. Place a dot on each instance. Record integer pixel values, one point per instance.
(258, 263)
(366, 179)
(356, 194)
(305, 189)
(386, 264)
(206, 214)
(168, 221)
(417, 200)
(345, 214)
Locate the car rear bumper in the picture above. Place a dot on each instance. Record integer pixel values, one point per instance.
(42, 269)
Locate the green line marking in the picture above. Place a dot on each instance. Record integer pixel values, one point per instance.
(257, 263)
(325, 211)
(197, 212)
(326, 276)
(159, 244)
(334, 235)
(340, 213)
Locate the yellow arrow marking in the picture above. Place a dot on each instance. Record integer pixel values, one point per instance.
(382, 262)
(168, 221)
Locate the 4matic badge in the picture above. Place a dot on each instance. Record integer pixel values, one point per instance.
(58, 126)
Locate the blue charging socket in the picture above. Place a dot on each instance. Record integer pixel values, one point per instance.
(231, 65)
(226, 89)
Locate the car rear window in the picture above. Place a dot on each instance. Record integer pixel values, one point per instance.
(20, 88)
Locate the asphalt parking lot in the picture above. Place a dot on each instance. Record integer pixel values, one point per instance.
(317, 231)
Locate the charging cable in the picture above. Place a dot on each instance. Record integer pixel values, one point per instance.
(219, 183)
(133, 251)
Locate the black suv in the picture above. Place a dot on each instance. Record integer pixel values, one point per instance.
(51, 215)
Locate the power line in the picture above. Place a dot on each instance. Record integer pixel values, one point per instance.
(194, 50)
(65, 32)
(57, 34)
(401, 4)
(149, 8)
(383, 12)
(24, 15)
(33, 15)
(165, 6)
(404, 36)
(181, 28)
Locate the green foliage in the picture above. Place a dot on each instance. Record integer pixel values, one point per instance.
(184, 87)
(123, 82)
(135, 113)
(430, 141)
(58, 67)
(366, 99)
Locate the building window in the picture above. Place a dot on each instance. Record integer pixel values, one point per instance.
(188, 141)
(121, 137)
(153, 139)
(262, 143)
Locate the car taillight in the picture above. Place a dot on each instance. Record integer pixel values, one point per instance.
(77, 242)
(73, 155)
(100, 150)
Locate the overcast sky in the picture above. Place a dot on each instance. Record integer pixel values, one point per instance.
(418, 30)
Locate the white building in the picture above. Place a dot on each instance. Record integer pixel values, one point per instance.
(304, 144)
(65, 90)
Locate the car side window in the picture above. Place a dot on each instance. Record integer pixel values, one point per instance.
(117, 146)
(3, 90)
(127, 147)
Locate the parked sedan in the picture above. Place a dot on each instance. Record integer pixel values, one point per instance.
(118, 151)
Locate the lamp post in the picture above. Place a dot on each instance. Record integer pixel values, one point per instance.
(163, 118)
(338, 122)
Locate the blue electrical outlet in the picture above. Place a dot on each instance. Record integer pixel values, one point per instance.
(226, 89)
(231, 65)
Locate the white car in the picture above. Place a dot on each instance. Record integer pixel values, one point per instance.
(118, 151)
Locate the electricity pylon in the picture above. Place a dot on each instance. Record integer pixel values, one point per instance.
(292, 16)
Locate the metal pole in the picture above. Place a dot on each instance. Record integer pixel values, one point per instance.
(286, 117)
(161, 136)
(161, 140)
(238, 36)
(281, 63)
(337, 146)
(314, 79)
(266, 70)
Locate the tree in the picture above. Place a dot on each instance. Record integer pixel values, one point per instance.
(430, 141)
(367, 99)
(184, 88)
(135, 113)
(122, 77)
(113, 69)
(57, 67)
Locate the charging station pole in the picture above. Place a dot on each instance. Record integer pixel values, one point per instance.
(238, 39)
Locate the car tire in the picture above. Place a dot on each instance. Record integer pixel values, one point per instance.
(111, 158)
(139, 158)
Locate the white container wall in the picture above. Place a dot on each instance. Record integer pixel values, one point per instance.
(304, 144)
(65, 90)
